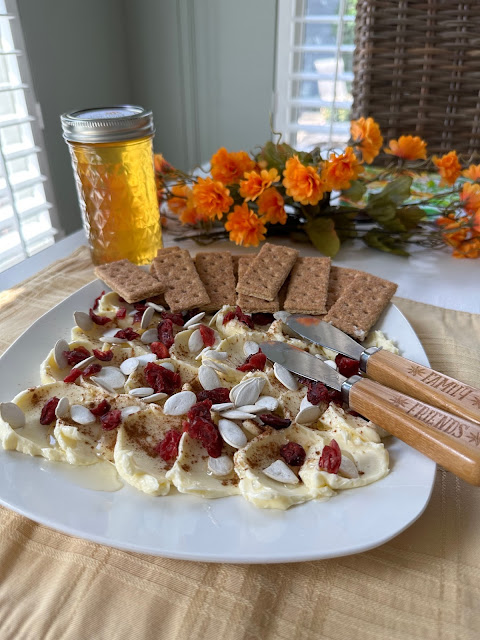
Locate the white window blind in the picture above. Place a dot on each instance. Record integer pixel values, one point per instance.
(314, 71)
(27, 218)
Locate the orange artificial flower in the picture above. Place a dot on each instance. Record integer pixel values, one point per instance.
(160, 164)
(339, 171)
(271, 206)
(211, 198)
(182, 205)
(256, 183)
(473, 172)
(448, 167)
(302, 183)
(460, 234)
(476, 222)
(245, 227)
(366, 135)
(408, 148)
(229, 167)
(470, 197)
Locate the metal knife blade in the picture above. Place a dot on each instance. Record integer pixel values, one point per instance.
(314, 329)
(302, 363)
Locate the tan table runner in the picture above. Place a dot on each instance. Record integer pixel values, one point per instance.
(424, 584)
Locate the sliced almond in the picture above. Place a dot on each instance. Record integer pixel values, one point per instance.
(149, 336)
(250, 347)
(83, 320)
(308, 415)
(113, 376)
(141, 392)
(147, 317)
(62, 407)
(232, 433)
(208, 378)
(12, 414)
(195, 341)
(81, 415)
(102, 384)
(60, 346)
(180, 403)
(221, 466)
(348, 468)
(285, 377)
(129, 366)
(281, 472)
(194, 320)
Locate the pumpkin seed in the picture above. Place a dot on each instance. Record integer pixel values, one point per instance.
(194, 320)
(141, 392)
(208, 378)
(285, 377)
(221, 466)
(232, 433)
(81, 415)
(60, 346)
(62, 407)
(147, 317)
(12, 414)
(281, 472)
(83, 320)
(180, 403)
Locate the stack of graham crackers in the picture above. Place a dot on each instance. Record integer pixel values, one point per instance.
(275, 278)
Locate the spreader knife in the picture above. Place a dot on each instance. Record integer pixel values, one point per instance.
(449, 440)
(392, 370)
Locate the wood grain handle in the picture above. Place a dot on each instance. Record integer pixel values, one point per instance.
(449, 440)
(425, 384)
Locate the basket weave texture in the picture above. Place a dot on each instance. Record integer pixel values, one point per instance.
(417, 70)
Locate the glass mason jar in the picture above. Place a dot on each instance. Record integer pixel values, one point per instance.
(112, 158)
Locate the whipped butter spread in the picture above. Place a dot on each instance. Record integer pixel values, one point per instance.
(114, 415)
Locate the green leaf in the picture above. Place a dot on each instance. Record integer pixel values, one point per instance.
(395, 192)
(378, 239)
(410, 216)
(276, 155)
(323, 236)
(355, 192)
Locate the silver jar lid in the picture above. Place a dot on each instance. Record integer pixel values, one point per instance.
(107, 124)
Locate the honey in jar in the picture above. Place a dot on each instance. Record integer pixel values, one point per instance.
(112, 157)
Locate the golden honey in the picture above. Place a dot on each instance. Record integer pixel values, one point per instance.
(116, 186)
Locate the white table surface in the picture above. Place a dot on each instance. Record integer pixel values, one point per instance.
(430, 276)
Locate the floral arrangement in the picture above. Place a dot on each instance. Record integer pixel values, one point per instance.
(331, 197)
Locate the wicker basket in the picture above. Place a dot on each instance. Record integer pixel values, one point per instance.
(417, 70)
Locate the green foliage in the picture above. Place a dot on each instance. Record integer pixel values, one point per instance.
(323, 236)
(276, 155)
(355, 192)
(379, 239)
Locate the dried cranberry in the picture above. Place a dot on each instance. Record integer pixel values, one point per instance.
(200, 410)
(217, 396)
(162, 380)
(165, 332)
(120, 299)
(331, 458)
(73, 375)
(293, 453)
(101, 409)
(104, 356)
(97, 300)
(176, 318)
(262, 318)
(243, 317)
(99, 319)
(230, 315)
(207, 433)
(317, 392)
(121, 313)
(353, 413)
(76, 355)
(346, 366)
(111, 420)
(48, 412)
(208, 335)
(254, 362)
(275, 421)
(168, 447)
(91, 370)
(127, 334)
(335, 397)
(160, 350)
(140, 306)
(305, 381)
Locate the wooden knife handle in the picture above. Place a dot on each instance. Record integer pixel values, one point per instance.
(425, 384)
(449, 440)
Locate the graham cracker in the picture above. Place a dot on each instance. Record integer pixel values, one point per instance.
(130, 281)
(176, 271)
(340, 279)
(308, 286)
(250, 304)
(216, 272)
(267, 272)
(361, 304)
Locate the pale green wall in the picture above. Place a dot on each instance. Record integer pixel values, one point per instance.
(205, 68)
